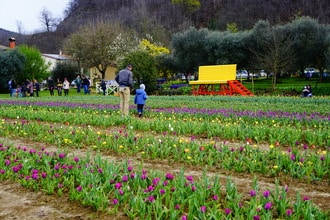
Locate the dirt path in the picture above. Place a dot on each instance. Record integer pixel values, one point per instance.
(16, 202)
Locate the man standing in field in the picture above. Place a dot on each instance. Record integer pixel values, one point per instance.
(125, 80)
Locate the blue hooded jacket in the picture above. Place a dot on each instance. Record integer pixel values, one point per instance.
(140, 97)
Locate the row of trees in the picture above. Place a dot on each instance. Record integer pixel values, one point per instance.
(279, 49)
(162, 18)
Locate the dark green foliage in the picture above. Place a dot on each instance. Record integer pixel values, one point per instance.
(190, 50)
(144, 69)
(35, 66)
(66, 69)
(311, 43)
(11, 66)
(282, 49)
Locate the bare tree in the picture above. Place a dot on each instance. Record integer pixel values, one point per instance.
(47, 19)
(100, 45)
(20, 27)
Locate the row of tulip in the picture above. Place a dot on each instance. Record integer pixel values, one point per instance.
(140, 193)
(285, 104)
(301, 161)
(259, 126)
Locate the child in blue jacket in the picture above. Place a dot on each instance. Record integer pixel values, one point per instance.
(140, 99)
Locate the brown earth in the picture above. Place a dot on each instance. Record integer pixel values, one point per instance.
(17, 202)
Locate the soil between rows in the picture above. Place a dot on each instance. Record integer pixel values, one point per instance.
(17, 202)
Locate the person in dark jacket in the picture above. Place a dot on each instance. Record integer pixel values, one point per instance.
(140, 99)
(51, 86)
(24, 89)
(86, 85)
(125, 80)
(13, 87)
(103, 86)
(36, 87)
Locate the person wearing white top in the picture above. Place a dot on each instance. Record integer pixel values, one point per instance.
(66, 86)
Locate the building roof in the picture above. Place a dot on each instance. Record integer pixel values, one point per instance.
(56, 56)
(4, 47)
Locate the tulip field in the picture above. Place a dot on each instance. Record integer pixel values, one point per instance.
(188, 157)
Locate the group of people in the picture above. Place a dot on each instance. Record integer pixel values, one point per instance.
(125, 80)
(83, 83)
(307, 91)
(65, 85)
(28, 88)
(60, 86)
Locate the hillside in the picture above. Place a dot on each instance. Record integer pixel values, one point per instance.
(161, 18)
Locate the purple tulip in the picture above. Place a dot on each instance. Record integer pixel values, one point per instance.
(227, 211)
(118, 185)
(305, 198)
(79, 188)
(43, 175)
(151, 198)
(129, 168)
(253, 193)
(289, 212)
(169, 176)
(190, 179)
(121, 192)
(150, 188)
(155, 181)
(125, 178)
(266, 193)
(268, 205)
(35, 176)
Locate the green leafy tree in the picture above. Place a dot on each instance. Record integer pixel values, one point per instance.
(189, 50)
(11, 66)
(188, 6)
(35, 66)
(311, 43)
(100, 45)
(232, 27)
(67, 69)
(227, 48)
(159, 53)
(165, 66)
(327, 61)
(272, 48)
(144, 69)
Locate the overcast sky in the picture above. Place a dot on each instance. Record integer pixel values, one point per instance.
(27, 12)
